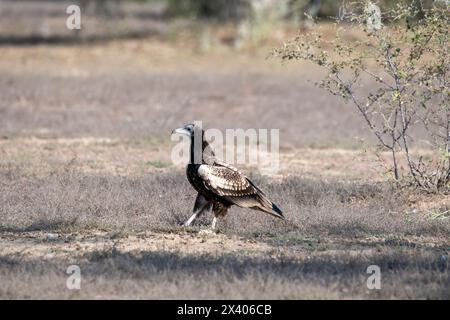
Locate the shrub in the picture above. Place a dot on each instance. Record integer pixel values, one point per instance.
(407, 62)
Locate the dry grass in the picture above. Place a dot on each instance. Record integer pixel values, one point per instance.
(333, 231)
(66, 199)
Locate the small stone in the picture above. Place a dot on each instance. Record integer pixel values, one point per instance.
(206, 232)
(49, 255)
(52, 236)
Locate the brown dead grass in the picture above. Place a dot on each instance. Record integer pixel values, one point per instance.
(123, 230)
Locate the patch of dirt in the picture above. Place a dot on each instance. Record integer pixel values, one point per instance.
(44, 245)
(47, 246)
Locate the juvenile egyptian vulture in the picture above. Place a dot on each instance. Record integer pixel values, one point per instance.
(220, 185)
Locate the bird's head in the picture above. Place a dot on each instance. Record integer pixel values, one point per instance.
(190, 130)
(187, 130)
(196, 133)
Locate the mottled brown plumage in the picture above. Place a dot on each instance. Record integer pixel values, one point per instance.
(220, 185)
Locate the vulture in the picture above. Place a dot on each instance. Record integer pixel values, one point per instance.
(219, 185)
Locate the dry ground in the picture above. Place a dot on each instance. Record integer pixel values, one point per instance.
(86, 179)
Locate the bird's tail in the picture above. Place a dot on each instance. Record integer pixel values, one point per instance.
(277, 210)
(265, 204)
(269, 207)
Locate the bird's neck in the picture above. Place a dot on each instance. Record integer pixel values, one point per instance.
(198, 154)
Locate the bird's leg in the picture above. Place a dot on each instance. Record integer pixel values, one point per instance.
(191, 219)
(220, 211)
(214, 223)
(201, 205)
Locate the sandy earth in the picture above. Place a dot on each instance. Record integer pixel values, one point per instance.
(46, 245)
(70, 246)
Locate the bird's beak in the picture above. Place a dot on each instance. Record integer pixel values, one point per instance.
(182, 131)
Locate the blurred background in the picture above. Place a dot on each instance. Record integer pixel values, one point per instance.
(40, 21)
(137, 69)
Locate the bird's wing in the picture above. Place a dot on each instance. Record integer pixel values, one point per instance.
(220, 163)
(227, 182)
